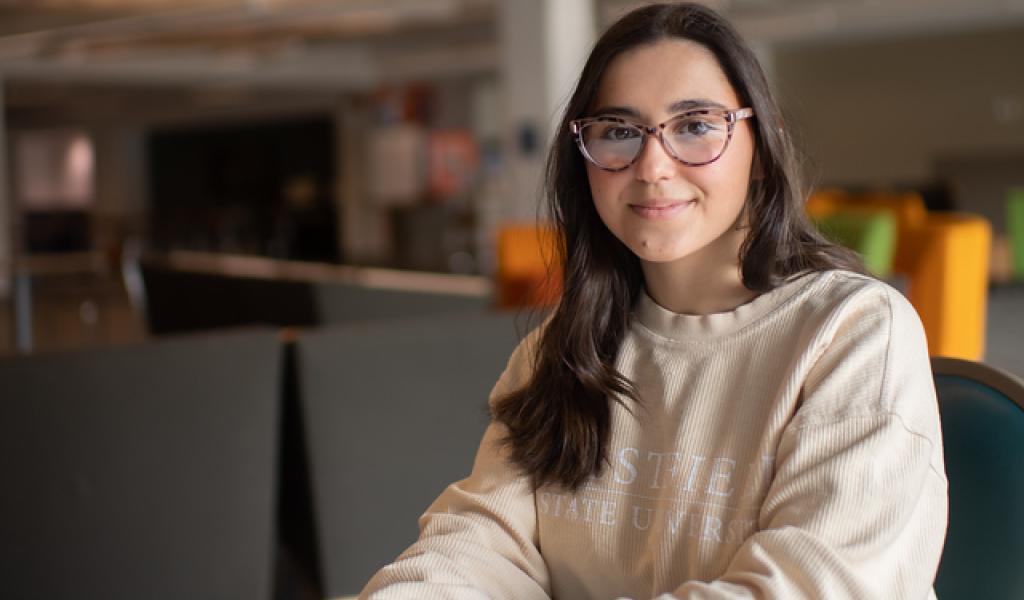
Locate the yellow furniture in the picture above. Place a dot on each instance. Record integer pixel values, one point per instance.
(527, 271)
(948, 282)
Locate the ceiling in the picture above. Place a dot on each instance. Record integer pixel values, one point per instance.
(223, 46)
(293, 42)
(290, 41)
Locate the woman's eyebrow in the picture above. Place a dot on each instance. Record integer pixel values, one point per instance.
(623, 111)
(693, 103)
(676, 107)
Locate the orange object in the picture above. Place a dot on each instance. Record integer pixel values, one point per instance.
(527, 271)
(948, 282)
(825, 202)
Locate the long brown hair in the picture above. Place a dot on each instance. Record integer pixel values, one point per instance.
(560, 421)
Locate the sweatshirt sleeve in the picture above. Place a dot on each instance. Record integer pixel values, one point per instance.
(858, 504)
(478, 540)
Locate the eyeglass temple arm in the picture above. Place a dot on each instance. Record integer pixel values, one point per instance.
(742, 113)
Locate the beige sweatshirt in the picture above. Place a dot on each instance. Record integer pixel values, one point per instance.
(789, 449)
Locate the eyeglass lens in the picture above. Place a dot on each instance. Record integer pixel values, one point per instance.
(696, 139)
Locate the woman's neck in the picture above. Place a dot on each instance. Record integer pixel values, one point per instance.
(705, 283)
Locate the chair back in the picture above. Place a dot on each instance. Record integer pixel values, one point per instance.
(394, 411)
(143, 471)
(1015, 230)
(982, 412)
(949, 282)
(871, 233)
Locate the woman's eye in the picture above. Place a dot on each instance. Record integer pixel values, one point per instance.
(616, 134)
(694, 127)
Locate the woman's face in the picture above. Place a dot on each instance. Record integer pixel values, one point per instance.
(661, 209)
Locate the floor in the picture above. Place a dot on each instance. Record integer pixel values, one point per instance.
(1005, 332)
(74, 312)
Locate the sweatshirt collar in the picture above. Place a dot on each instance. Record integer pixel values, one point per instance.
(668, 324)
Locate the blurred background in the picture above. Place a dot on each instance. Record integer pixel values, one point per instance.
(173, 166)
(405, 134)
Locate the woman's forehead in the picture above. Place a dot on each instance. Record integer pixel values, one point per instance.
(659, 78)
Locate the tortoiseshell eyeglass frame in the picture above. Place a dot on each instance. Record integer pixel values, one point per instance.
(732, 116)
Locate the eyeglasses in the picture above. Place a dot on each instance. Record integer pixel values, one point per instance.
(694, 138)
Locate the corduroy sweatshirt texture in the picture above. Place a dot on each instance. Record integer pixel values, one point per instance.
(789, 448)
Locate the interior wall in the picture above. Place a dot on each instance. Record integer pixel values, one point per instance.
(891, 112)
(6, 243)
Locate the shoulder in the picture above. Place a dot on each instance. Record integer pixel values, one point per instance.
(521, 363)
(838, 290)
(844, 303)
(870, 345)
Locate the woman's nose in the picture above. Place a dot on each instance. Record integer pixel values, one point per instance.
(655, 162)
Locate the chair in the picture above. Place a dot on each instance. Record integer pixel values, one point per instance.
(907, 208)
(982, 412)
(143, 471)
(869, 233)
(1015, 229)
(948, 279)
(394, 412)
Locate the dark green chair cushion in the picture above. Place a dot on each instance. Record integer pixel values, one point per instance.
(984, 450)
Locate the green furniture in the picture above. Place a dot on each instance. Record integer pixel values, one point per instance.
(1015, 230)
(982, 412)
(870, 233)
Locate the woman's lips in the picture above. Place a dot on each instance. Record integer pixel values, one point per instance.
(661, 210)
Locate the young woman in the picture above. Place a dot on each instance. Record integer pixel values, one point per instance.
(721, 405)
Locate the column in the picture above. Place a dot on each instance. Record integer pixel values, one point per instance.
(544, 44)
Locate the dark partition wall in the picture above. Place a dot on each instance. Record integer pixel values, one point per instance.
(394, 411)
(260, 188)
(141, 472)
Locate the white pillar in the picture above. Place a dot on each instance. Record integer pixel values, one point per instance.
(362, 226)
(571, 33)
(544, 44)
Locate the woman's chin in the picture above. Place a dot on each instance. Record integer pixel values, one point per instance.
(659, 255)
